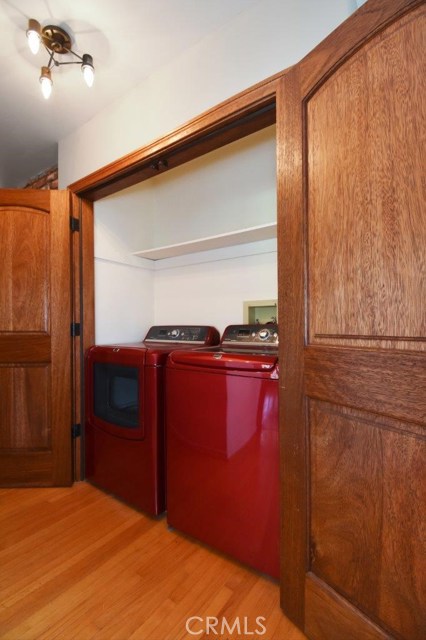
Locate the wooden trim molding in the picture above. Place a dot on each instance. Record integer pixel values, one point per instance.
(83, 263)
(241, 115)
(291, 235)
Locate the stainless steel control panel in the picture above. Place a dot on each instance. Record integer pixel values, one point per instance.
(251, 334)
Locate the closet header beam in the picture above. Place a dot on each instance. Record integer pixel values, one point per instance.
(245, 113)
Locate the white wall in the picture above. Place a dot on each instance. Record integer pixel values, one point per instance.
(203, 288)
(132, 294)
(124, 285)
(123, 302)
(213, 292)
(231, 188)
(263, 40)
(228, 189)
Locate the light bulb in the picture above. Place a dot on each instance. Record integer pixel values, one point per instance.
(33, 41)
(33, 35)
(88, 69)
(46, 82)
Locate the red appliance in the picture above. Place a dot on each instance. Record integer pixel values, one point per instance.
(222, 445)
(124, 430)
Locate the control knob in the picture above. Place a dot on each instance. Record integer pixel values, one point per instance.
(263, 334)
(174, 333)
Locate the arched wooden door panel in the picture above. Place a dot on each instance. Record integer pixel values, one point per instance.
(35, 340)
(352, 227)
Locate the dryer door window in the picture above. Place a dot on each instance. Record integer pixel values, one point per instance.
(116, 394)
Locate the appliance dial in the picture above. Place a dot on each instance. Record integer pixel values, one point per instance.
(263, 334)
(174, 333)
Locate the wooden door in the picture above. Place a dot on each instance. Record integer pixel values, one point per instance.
(35, 341)
(352, 274)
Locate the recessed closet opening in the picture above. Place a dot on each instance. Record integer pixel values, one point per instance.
(189, 245)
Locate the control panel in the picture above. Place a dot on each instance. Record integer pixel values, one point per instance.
(251, 334)
(203, 335)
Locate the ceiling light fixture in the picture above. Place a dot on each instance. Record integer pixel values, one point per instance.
(57, 42)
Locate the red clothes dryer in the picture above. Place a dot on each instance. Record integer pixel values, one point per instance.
(124, 429)
(222, 445)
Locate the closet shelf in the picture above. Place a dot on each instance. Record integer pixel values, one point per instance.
(242, 236)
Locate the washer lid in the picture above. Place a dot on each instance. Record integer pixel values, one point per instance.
(220, 359)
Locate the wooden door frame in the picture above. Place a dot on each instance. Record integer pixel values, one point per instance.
(241, 115)
(249, 111)
(83, 313)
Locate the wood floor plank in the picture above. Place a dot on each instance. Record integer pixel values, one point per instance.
(76, 564)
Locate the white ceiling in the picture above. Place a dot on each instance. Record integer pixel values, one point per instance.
(128, 40)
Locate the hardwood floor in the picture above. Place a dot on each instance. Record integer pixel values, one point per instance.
(75, 564)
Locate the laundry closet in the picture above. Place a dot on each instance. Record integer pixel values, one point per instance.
(195, 244)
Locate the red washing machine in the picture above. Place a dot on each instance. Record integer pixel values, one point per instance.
(222, 445)
(124, 430)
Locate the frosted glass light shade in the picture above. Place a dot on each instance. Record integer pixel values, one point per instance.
(88, 69)
(33, 35)
(33, 41)
(46, 83)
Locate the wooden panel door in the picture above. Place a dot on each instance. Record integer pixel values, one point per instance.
(352, 274)
(35, 342)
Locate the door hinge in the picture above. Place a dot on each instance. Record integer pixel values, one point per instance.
(74, 224)
(75, 329)
(75, 431)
